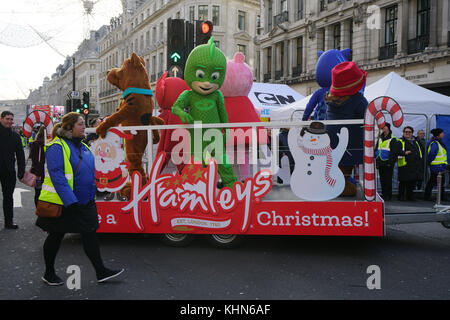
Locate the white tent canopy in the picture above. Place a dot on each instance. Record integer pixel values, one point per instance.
(267, 97)
(411, 98)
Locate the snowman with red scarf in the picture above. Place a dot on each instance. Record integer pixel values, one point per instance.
(111, 169)
(316, 175)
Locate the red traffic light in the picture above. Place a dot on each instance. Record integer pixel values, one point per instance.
(206, 27)
(86, 111)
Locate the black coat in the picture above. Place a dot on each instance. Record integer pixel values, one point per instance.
(413, 171)
(11, 148)
(80, 220)
(352, 108)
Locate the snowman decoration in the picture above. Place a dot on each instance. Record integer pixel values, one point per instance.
(316, 175)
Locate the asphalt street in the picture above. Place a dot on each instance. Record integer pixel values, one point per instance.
(413, 262)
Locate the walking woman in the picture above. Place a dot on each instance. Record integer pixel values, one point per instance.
(70, 181)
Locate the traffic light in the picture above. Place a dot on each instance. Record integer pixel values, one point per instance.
(203, 31)
(176, 50)
(85, 106)
(76, 106)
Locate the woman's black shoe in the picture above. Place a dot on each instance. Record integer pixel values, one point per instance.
(108, 274)
(52, 280)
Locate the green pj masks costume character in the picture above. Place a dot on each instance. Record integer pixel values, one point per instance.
(204, 73)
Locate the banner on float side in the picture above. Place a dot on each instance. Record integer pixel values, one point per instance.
(187, 202)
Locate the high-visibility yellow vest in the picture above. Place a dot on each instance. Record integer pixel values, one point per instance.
(384, 149)
(48, 192)
(401, 162)
(441, 157)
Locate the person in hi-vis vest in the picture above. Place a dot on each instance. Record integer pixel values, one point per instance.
(409, 162)
(385, 160)
(437, 160)
(70, 181)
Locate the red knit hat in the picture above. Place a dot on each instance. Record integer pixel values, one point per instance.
(347, 79)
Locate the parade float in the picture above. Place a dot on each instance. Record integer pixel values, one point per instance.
(181, 198)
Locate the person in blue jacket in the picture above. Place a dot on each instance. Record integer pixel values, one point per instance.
(79, 214)
(437, 160)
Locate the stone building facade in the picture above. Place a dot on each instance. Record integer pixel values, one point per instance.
(410, 37)
(142, 28)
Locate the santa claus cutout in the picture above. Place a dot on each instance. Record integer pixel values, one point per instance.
(111, 169)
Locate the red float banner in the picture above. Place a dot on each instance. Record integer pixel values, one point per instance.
(188, 202)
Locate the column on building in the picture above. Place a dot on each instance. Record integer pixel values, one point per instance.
(434, 19)
(402, 27)
(445, 31)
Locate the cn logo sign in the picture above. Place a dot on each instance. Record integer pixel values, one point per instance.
(273, 99)
(374, 280)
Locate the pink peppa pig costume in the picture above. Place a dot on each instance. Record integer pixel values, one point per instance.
(235, 89)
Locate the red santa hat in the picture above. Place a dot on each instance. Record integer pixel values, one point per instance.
(121, 135)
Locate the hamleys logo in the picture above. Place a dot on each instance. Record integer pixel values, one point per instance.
(192, 193)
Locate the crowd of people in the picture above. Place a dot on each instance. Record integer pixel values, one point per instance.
(413, 156)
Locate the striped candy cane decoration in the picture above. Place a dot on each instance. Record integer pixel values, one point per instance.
(37, 116)
(374, 112)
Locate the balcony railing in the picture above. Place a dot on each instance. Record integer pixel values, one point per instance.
(418, 44)
(297, 71)
(387, 52)
(280, 18)
(267, 77)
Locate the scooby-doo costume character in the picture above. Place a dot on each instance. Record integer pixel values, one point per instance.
(135, 109)
(205, 73)
(344, 101)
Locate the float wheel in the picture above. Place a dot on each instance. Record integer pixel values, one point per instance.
(225, 241)
(177, 239)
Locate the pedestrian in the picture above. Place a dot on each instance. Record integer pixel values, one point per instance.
(437, 160)
(11, 149)
(385, 161)
(345, 101)
(423, 144)
(37, 157)
(409, 162)
(71, 182)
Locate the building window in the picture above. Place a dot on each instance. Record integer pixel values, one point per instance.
(337, 36)
(161, 31)
(92, 66)
(299, 9)
(268, 75)
(191, 13)
(216, 15)
(177, 15)
(391, 25)
(202, 13)
(423, 17)
(91, 79)
(241, 20)
(284, 5)
(242, 48)
(299, 51)
(147, 38)
(322, 5)
(217, 44)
